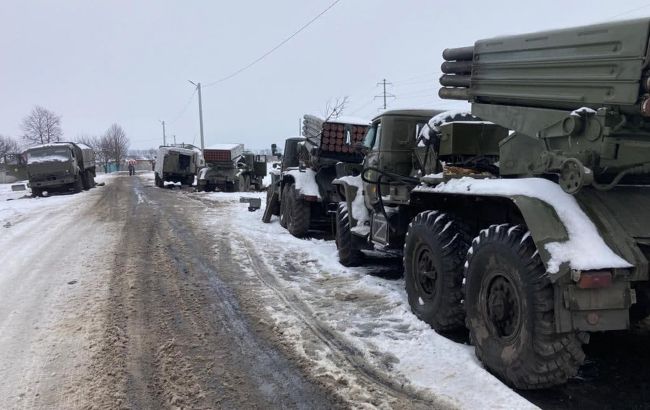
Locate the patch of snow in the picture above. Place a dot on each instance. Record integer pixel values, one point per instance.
(225, 147)
(46, 158)
(305, 182)
(583, 110)
(585, 248)
(359, 210)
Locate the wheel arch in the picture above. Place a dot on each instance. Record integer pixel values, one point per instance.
(481, 211)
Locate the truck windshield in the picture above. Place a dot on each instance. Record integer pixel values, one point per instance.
(50, 154)
(372, 135)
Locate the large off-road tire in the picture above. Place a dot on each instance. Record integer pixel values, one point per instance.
(509, 307)
(275, 207)
(188, 180)
(37, 192)
(78, 185)
(85, 182)
(348, 254)
(298, 213)
(434, 253)
(159, 182)
(283, 206)
(90, 176)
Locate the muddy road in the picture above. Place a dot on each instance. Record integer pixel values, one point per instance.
(132, 296)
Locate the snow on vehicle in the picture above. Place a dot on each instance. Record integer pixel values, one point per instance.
(177, 164)
(60, 166)
(301, 191)
(528, 226)
(231, 169)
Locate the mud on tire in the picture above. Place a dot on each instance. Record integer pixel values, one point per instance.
(509, 306)
(434, 253)
(348, 255)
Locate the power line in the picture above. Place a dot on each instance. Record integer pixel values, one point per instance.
(283, 42)
(630, 11)
(185, 107)
(384, 94)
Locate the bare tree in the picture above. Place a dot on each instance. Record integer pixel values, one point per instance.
(334, 110)
(8, 145)
(115, 143)
(42, 126)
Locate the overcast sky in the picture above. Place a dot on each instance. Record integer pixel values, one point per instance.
(124, 61)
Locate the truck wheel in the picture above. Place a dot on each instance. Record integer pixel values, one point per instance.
(159, 182)
(509, 306)
(85, 181)
(348, 255)
(77, 185)
(91, 179)
(37, 192)
(283, 206)
(298, 213)
(434, 252)
(275, 208)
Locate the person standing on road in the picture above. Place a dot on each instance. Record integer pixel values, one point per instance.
(131, 167)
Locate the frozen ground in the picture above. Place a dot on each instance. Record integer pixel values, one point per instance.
(368, 312)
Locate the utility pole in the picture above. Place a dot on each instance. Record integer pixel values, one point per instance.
(164, 137)
(384, 95)
(198, 87)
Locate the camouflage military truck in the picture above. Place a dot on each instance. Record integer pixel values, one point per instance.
(177, 164)
(528, 226)
(231, 169)
(301, 191)
(60, 166)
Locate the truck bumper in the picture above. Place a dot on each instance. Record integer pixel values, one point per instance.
(52, 181)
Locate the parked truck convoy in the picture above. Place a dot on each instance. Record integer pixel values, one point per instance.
(60, 166)
(231, 169)
(527, 221)
(301, 191)
(177, 164)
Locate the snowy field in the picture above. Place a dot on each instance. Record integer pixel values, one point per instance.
(372, 314)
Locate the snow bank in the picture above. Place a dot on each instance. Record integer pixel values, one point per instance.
(584, 250)
(305, 181)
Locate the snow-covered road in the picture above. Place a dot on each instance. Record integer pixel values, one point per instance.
(53, 274)
(135, 296)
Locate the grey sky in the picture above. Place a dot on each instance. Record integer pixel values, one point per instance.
(99, 62)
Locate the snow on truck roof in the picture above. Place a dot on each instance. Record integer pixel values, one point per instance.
(224, 146)
(345, 120)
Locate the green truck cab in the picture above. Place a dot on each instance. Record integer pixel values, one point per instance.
(60, 166)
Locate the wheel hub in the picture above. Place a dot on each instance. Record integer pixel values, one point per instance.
(503, 306)
(425, 272)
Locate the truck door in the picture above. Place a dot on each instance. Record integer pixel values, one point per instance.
(371, 143)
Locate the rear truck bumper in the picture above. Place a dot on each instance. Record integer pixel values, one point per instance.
(598, 307)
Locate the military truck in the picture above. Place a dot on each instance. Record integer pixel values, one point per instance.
(528, 226)
(60, 166)
(231, 169)
(177, 164)
(301, 191)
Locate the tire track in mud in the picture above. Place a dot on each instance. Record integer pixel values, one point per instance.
(175, 336)
(344, 351)
(383, 389)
